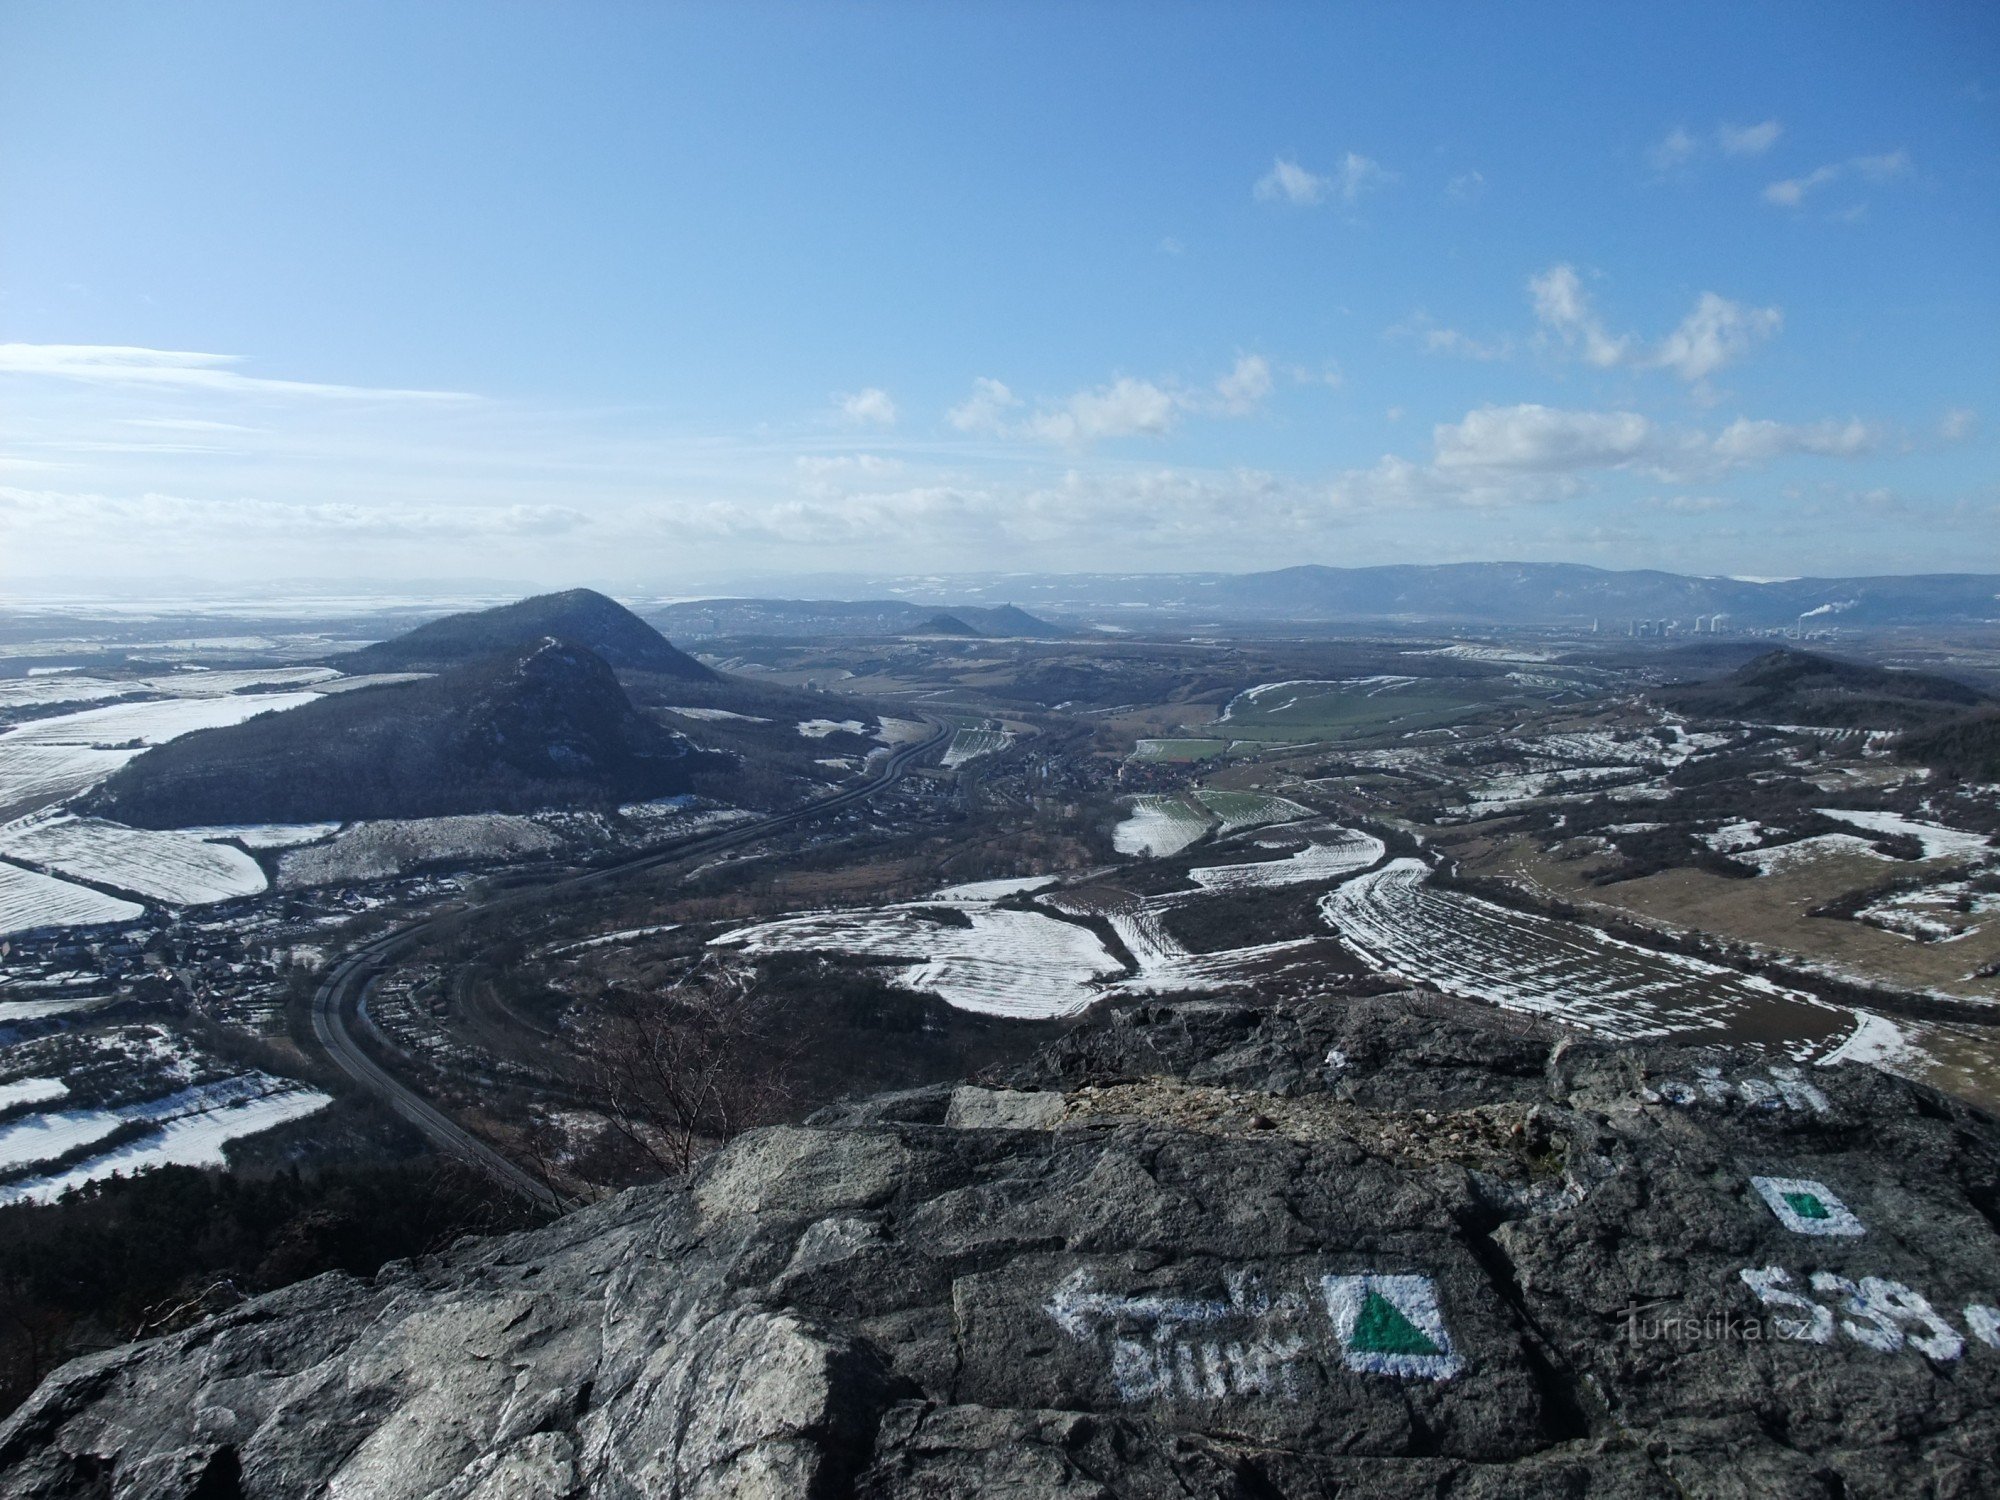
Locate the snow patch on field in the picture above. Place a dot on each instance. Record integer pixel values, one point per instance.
(607, 939)
(1331, 856)
(901, 731)
(1007, 963)
(171, 867)
(982, 891)
(265, 835)
(56, 1005)
(31, 1091)
(29, 901)
(1545, 965)
(716, 715)
(970, 744)
(819, 729)
(194, 1127)
(31, 772)
(380, 850)
(1159, 826)
(1240, 810)
(151, 723)
(1876, 1040)
(1778, 858)
(1938, 841)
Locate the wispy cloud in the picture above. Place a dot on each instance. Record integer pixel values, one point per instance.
(1716, 332)
(871, 407)
(1291, 183)
(122, 365)
(1887, 166)
(1748, 140)
(1127, 407)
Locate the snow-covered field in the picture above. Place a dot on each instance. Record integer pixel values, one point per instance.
(901, 731)
(149, 723)
(33, 692)
(1563, 970)
(1938, 841)
(1159, 826)
(380, 850)
(37, 773)
(1007, 963)
(175, 868)
(1333, 854)
(1777, 858)
(31, 1091)
(970, 744)
(982, 891)
(191, 1129)
(1239, 810)
(28, 901)
(265, 835)
(54, 1005)
(715, 715)
(819, 729)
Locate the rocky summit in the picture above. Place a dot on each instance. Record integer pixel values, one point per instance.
(1372, 1246)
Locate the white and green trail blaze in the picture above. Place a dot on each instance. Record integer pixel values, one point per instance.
(1807, 1207)
(1391, 1325)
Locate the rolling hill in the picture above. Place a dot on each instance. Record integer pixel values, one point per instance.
(546, 728)
(1805, 687)
(580, 616)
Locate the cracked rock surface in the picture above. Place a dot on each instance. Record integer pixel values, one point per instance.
(1374, 1247)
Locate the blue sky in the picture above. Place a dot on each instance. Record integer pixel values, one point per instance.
(656, 296)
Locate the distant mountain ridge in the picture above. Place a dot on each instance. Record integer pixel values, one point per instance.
(546, 728)
(866, 617)
(1566, 595)
(583, 617)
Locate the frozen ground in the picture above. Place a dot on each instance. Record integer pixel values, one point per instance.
(716, 715)
(1938, 841)
(176, 868)
(1007, 963)
(265, 835)
(29, 901)
(379, 850)
(1776, 858)
(192, 1127)
(1333, 854)
(970, 744)
(982, 891)
(1561, 969)
(819, 729)
(1159, 826)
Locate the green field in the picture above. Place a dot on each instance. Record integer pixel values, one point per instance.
(1292, 711)
(1250, 809)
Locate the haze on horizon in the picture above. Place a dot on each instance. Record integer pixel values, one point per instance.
(661, 297)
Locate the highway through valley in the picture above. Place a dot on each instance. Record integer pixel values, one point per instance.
(340, 1005)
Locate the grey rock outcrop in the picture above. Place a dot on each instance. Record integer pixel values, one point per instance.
(1368, 1248)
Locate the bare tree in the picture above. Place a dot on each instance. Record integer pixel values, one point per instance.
(685, 1068)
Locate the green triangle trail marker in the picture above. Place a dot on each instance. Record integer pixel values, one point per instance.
(1391, 1325)
(1808, 1207)
(1381, 1329)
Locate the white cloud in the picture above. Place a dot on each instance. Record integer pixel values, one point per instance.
(1465, 187)
(1563, 307)
(1434, 338)
(1883, 167)
(1291, 182)
(1125, 408)
(1752, 442)
(871, 407)
(1288, 181)
(1958, 424)
(122, 365)
(1671, 151)
(1360, 174)
(1171, 246)
(1541, 439)
(1748, 140)
(986, 409)
(1244, 387)
(1717, 332)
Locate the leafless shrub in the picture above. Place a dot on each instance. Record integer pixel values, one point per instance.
(682, 1069)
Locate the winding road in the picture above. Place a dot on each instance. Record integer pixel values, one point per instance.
(340, 1005)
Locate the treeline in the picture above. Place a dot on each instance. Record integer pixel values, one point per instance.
(135, 1257)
